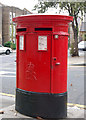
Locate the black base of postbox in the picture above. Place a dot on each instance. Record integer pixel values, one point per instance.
(44, 105)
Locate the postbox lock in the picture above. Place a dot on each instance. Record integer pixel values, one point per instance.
(56, 36)
(54, 58)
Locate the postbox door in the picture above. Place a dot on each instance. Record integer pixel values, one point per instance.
(59, 64)
(20, 60)
(35, 63)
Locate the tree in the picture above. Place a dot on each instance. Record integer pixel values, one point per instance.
(73, 8)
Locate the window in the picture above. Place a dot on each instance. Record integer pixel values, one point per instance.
(10, 30)
(14, 31)
(14, 15)
(14, 40)
(10, 17)
(85, 37)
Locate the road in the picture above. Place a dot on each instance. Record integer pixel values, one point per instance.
(7, 78)
(76, 85)
(8, 81)
(8, 73)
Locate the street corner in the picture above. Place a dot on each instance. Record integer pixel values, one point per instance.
(10, 112)
(76, 61)
(6, 100)
(73, 111)
(76, 111)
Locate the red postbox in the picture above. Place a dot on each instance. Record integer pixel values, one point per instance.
(42, 43)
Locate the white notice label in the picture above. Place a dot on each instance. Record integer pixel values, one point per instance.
(42, 42)
(21, 42)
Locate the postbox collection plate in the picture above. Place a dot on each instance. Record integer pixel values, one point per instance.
(21, 42)
(42, 43)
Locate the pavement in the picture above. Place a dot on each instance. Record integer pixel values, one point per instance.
(78, 61)
(73, 110)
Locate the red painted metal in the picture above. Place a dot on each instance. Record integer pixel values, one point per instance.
(43, 71)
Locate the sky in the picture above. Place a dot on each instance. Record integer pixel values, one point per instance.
(29, 4)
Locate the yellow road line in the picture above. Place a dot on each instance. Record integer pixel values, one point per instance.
(10, 95)
(68, 104)
(77, 105)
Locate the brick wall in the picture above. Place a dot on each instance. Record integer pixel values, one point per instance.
(6, 24)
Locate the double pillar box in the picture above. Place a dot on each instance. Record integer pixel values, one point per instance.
(41, 86)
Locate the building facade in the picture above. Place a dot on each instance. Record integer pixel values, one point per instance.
(8, 26)
(83, 29)
(0, 24)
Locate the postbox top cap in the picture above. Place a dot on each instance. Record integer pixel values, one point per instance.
(42, 17)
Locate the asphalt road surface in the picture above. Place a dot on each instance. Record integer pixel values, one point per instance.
(8, 81)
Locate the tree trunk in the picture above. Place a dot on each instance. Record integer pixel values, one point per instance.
(75, 44)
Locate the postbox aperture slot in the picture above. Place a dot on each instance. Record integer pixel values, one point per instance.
(21, 29)
(43, 29)
(42, 43)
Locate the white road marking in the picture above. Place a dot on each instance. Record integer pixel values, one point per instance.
(6, 69)
(7, 76)
(6, 72)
